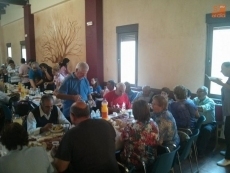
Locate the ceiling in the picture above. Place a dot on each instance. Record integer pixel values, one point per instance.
(5, 3)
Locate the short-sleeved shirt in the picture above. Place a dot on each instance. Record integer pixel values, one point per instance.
(116, 100)
(208, 106)
(35, 74)
(89, 147)
(140, 96)
(64, 71)
(167, 129)
(184, 113)
(132, 95)
(27, 160)
(24, 70)
(74, 86)
(137, 137)
(97, 89)
(58, 79)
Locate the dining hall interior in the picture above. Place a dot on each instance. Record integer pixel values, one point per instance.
(172, 42)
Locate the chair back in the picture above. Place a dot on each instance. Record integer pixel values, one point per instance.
(5, 116)
(23, 107)
(13, 100)
(164, 162)
(199, 122)
(188, 146)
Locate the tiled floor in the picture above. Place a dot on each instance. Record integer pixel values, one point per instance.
(206, 164)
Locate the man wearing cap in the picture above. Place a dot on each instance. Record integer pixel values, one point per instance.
(74, 88)
(87, 147)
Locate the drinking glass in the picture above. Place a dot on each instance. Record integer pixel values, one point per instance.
(45, 85)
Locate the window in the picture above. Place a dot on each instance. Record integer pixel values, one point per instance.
(127, 41)
(9, 50)
(218, 50)
(23, 49)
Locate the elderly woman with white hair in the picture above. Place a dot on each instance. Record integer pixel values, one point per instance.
(118, 99)
(206, 107)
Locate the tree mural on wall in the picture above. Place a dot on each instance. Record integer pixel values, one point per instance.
(60, 39)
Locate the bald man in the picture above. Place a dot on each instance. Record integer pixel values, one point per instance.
(117, 99)
(89, 146)
(75, 87)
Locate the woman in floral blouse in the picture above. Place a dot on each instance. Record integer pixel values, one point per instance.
(166, 123)
(139, 136)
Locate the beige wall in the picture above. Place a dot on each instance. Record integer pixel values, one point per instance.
(1, 46)
(47, 23)
(172, 39)
(15, 12)
(46, 13)
(13, 33)
(38, 5)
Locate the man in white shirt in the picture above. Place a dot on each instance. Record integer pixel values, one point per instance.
(42, 118)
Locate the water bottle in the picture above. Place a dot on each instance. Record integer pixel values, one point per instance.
(93, 114)
(98, 114)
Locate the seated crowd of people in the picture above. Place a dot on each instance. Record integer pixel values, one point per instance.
(89, 146)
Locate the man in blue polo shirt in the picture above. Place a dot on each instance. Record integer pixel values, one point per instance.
(35, 76)
(74, 88)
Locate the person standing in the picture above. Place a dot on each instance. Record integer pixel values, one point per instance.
(64, 67)
(225, 92)
(74, 88)
(23, 73)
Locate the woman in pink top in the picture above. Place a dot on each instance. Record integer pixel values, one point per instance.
(63, 65)
(58, 77)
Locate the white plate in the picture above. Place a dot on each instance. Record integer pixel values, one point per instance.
(48, 92)
(99, 99)
(37, 100)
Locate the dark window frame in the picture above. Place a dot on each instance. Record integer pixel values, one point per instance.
(211, 24)
(123, 30)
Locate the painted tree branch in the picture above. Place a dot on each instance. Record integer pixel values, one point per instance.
(60, 39)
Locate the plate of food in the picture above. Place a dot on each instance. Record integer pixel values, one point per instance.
(48, 92)
(37, 99)
(57, 128)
